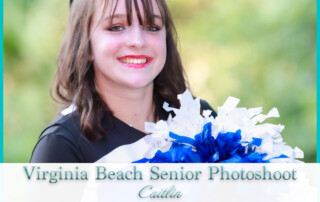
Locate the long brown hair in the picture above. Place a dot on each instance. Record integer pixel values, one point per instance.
(74, 81)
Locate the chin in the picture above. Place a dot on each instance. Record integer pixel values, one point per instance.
(139, 83)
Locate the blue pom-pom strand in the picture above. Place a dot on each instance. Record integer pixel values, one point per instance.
(204, 148)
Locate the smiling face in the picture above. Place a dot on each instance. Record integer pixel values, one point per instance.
(126, 54)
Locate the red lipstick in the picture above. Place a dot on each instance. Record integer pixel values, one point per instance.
(135, 61)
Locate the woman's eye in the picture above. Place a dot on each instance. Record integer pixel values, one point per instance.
(152, 28)
(116, 28)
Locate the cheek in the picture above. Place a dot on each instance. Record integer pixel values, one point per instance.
(160, 47)
(105, 47)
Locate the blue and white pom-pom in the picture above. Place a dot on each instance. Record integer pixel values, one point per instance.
(236, 135)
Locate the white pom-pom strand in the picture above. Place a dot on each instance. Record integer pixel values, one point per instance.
(230, 118)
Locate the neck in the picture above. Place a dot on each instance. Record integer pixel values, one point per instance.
(132, 106)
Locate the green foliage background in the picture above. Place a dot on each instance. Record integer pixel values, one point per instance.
(263, 52)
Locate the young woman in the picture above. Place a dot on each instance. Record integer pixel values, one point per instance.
(117, 66)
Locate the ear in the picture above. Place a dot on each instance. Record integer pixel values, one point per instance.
(91, 58)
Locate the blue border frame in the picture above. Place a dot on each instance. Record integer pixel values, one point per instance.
(318, 83)
(1, 86)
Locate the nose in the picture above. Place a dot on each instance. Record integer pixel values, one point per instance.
(136, 37)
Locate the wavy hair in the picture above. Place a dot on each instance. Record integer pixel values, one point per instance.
(74, 82)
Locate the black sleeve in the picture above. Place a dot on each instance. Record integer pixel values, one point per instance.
(206, 106)
(55, 148)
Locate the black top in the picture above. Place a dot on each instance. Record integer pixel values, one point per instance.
(64, 142)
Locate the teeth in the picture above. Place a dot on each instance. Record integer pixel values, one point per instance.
(134, 60)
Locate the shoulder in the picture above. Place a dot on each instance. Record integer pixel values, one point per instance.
(205, 106)
(59, 141)
(65, 125)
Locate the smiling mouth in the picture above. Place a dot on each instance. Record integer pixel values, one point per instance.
(135, 61)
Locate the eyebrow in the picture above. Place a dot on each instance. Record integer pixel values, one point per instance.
(125, 16)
